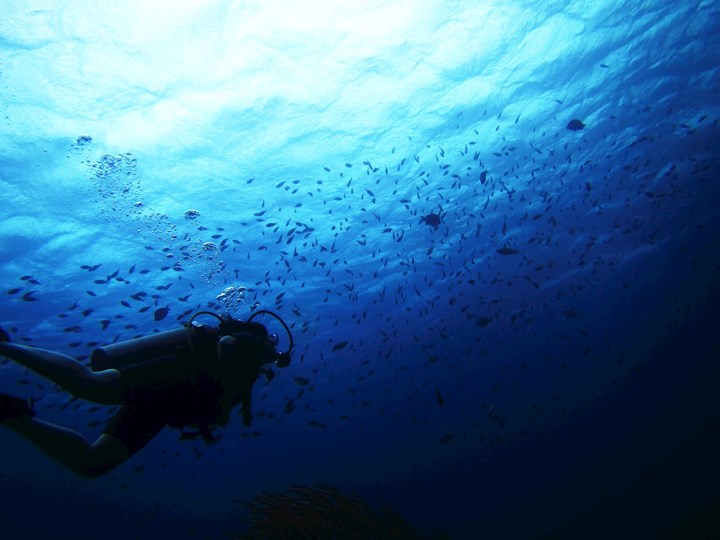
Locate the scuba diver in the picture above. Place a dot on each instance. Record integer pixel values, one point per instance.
(189, 377)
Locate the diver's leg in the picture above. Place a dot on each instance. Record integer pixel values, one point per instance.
(70, 448)
(98, 386)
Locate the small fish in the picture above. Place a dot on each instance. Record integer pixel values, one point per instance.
(432, 219)
(507, 251)
(340, 345)
(439, 397)
(28, 297)
(160, 313)
(575, 125)
(482, 322)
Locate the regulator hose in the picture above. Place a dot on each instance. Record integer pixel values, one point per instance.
(283, 357)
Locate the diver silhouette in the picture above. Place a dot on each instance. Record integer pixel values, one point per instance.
(189, 377)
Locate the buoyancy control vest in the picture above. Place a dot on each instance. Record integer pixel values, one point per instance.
(198, 340)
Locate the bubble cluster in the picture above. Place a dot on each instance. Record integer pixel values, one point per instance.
(116, 183)
(231, 297)
(198, 254)
(118, 196)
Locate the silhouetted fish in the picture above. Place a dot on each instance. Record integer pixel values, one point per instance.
(575, 125)
(432, 219)
(482, 322)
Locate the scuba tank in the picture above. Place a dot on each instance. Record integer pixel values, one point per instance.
(180, 340)
(146, 348)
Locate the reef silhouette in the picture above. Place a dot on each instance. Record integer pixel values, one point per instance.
(319, 512)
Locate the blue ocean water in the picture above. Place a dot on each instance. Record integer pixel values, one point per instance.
(492, 226)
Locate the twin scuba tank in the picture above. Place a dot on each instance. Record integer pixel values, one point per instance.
(184, 340)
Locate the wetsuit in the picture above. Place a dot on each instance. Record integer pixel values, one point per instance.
(172, 391)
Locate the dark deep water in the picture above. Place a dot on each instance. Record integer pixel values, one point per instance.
(506, 326)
